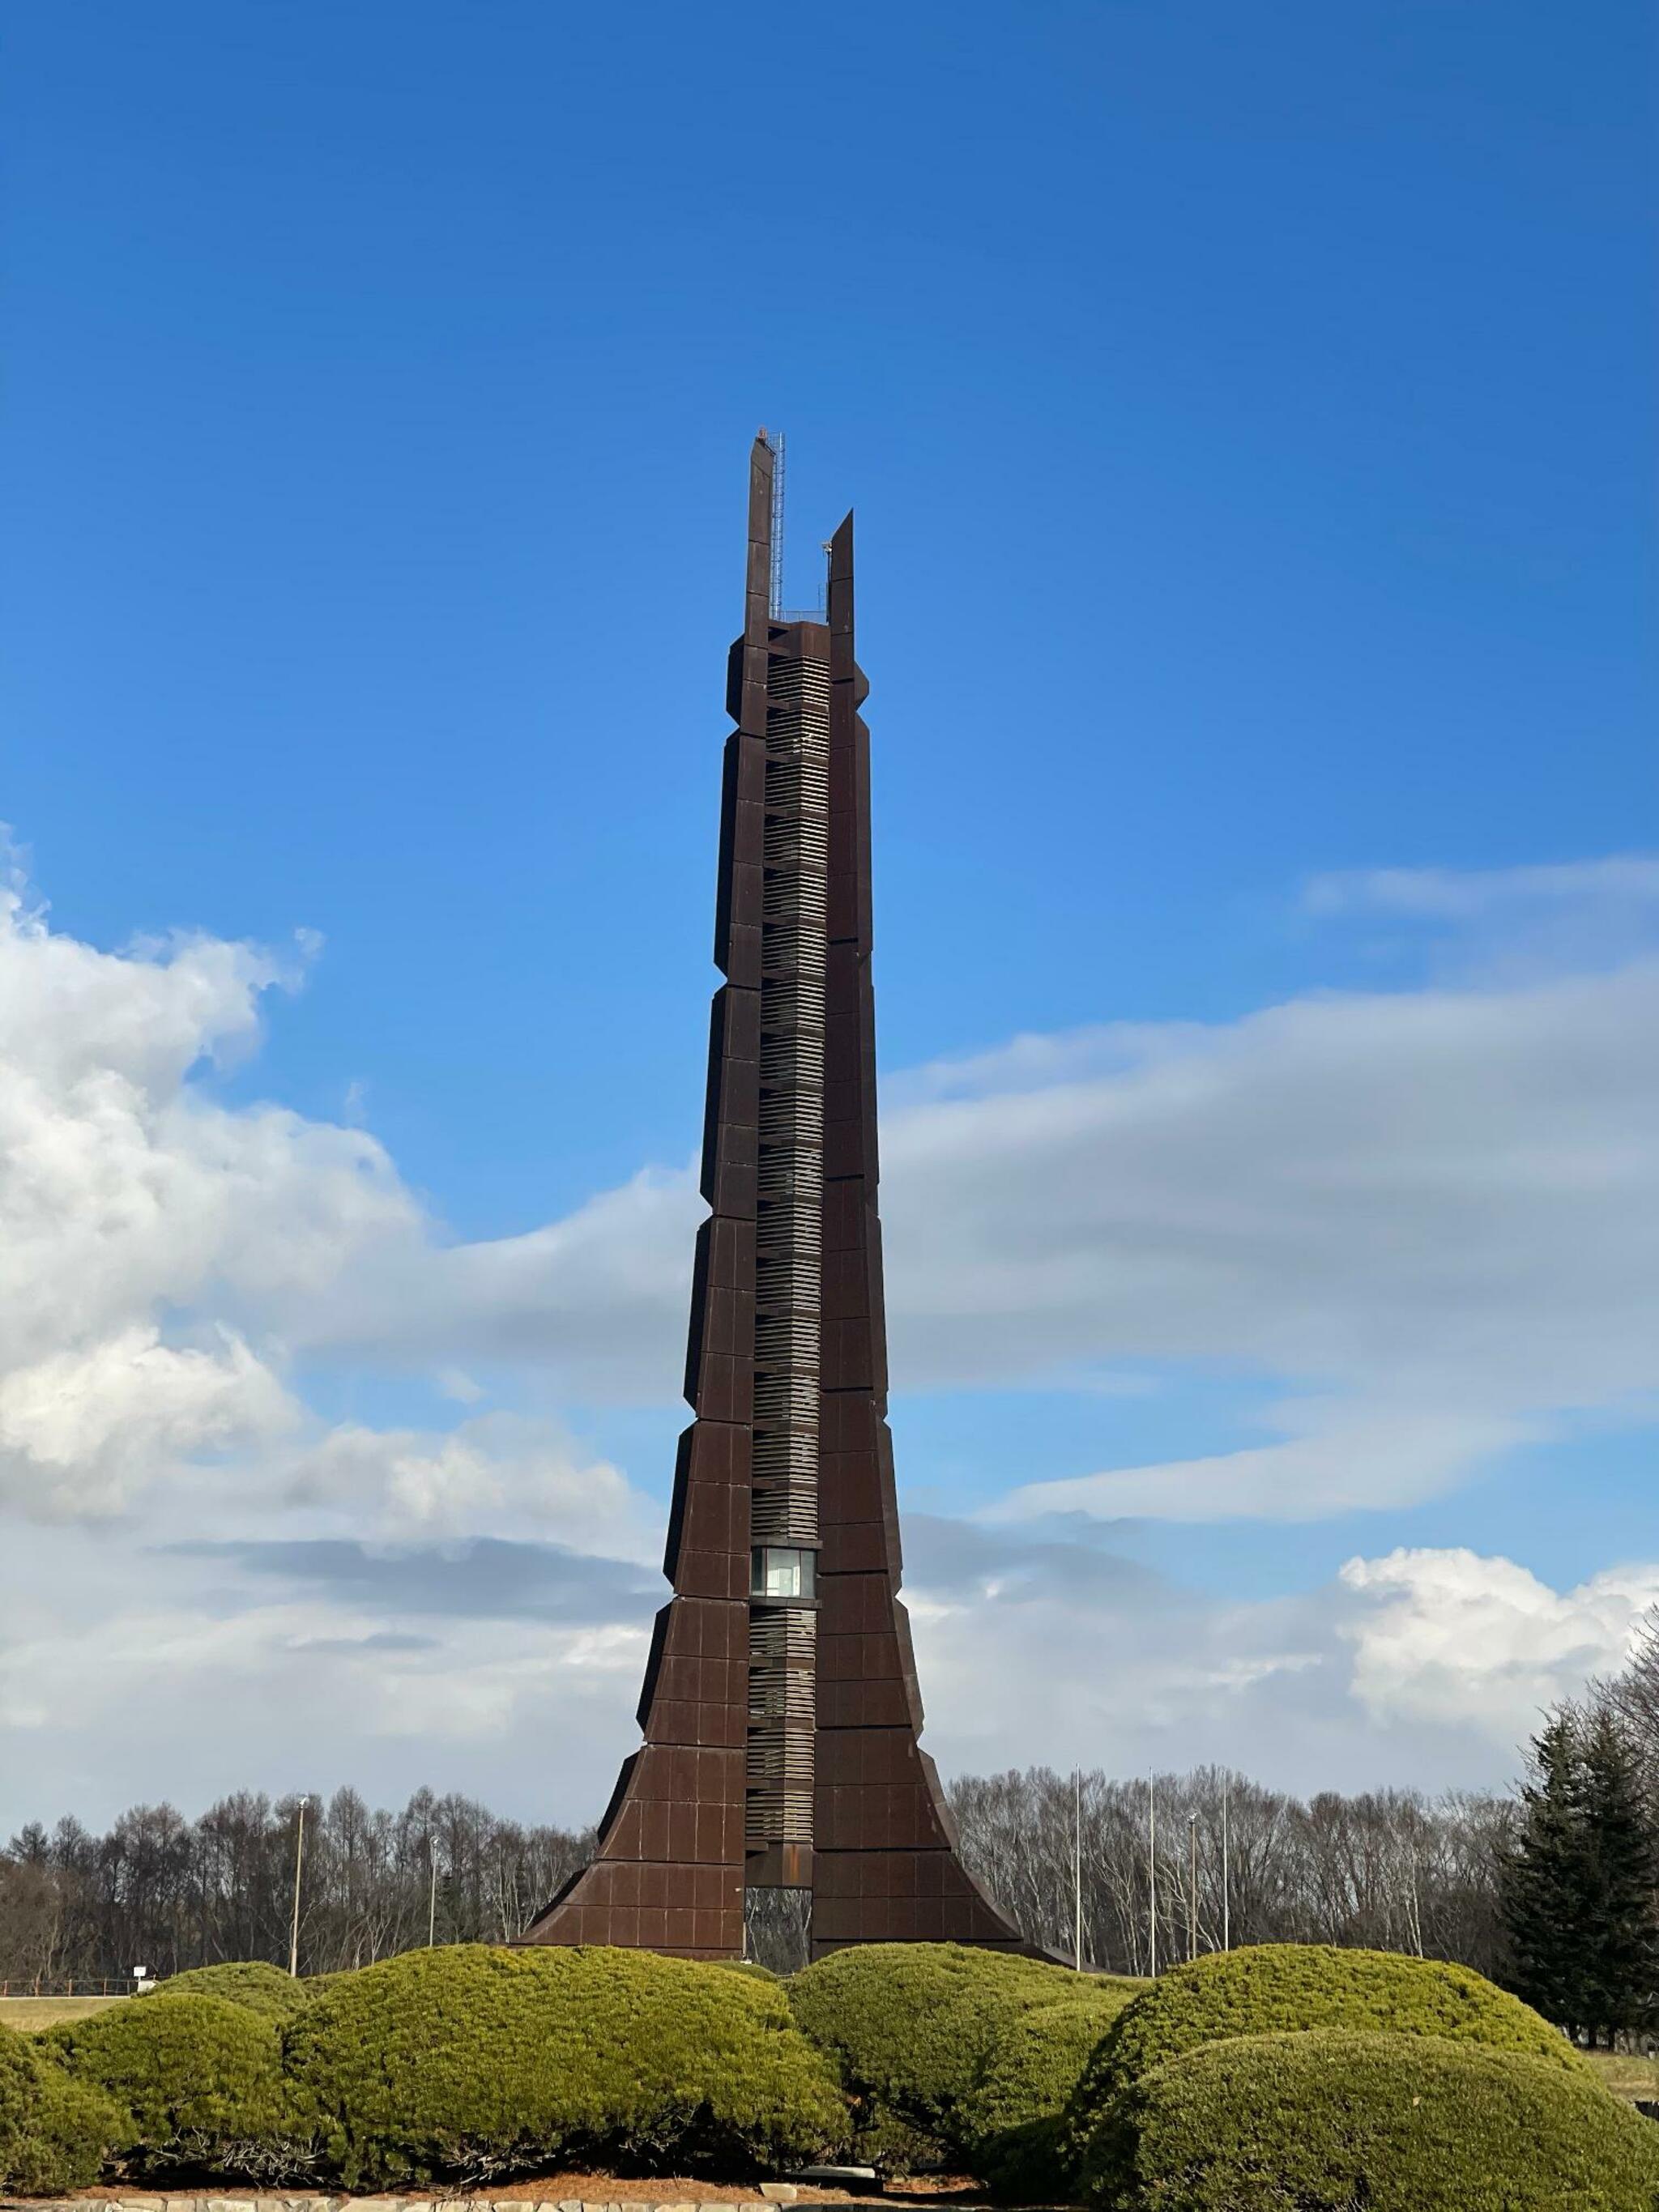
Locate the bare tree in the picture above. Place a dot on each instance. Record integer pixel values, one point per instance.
(1388, 1867)
(176, 1893)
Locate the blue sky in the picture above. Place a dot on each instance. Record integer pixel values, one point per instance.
(1248, 415)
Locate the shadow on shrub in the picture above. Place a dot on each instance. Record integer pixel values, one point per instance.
(469, 2063)
(912, 2028)
(1333, 2119)
(198, 2081)
(1011, 2125)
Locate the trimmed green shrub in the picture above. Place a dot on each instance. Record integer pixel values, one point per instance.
(1333, 2119)
(254, 1983)
(1273, 1986)
(1011, 2124)
(54, 2133)
(910, 2027)
(469, 2062)
(199, 2080)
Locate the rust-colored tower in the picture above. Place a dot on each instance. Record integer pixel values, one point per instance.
(780, 1711)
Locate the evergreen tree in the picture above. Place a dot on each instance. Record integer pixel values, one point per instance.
(1545, 1880)
(1578, 1884)
(1621, 1861)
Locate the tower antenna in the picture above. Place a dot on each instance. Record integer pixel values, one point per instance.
(777, 445)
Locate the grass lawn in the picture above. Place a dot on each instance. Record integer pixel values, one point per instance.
(45, 2012)
(1627, 2077)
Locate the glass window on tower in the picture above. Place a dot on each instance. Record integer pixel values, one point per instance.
(781, 1574)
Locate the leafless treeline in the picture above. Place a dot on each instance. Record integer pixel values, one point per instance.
(169, 1892)
(1631, 1696)
(1389, 1869)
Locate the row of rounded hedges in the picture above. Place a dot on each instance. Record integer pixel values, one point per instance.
(55, 2133)
(461, 2064)
(953, 2055)
(1333, 2119)
(1286, 2076)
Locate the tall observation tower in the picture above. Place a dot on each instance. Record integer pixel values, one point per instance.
(780, 1710)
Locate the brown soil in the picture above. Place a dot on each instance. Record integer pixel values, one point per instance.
(607, 2188)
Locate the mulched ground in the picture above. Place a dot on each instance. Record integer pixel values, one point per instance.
(925, 2191)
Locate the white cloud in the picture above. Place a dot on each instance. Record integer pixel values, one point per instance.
(171, 1680)
(1365, 1455)
(1425, 1668)
(596, 1300)
(1430, 1212)
(495, 1474)
(164, 1259)
(83, 1431)
(1425, 1216)
(1563, 918)
(1627, 879)
(123, 1188)
(175, 1668)
(69, 1012)
(1423, 1212)
(1448, 1636)
(1050, 1653)
(1342, 1186)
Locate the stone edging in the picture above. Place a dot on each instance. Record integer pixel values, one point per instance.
(773, 2194)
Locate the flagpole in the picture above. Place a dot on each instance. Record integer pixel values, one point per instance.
(1152, 1871)
(1077, 1870)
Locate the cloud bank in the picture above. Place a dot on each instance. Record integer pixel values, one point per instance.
(1421, 1217)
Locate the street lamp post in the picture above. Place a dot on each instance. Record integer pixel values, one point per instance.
(1192, 1885)
(1226, 1870)
(299, 1861)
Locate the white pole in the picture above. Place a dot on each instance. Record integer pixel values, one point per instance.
(1152, 1873)
(431, 1894)
(1192, 1885)
(1077, 1870)
(1226, 1900)
(299, 1861)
